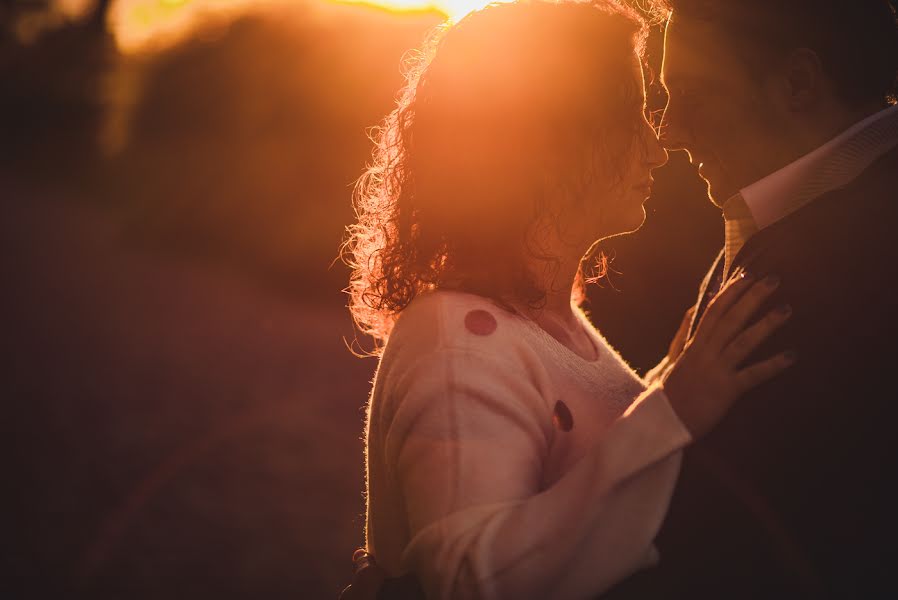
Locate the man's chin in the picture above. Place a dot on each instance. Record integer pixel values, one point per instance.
(715, 195)
(719, 189)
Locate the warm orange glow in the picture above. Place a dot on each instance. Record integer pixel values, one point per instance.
(147, 24)
(454, 9)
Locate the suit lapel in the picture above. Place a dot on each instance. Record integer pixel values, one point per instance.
(832, 208)
(706, 292)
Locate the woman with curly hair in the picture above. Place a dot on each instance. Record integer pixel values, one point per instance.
(510, 451)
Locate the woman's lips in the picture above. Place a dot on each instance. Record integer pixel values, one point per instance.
(644, 187)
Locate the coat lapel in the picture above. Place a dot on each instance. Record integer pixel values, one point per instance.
(706, 292)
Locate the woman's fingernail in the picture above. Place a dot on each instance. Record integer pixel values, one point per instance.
(771, 281)
(784, 310)
(746, 276)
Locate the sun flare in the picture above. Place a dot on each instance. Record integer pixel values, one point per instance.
(139, 25)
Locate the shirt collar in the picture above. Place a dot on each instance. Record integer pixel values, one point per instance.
(832, 165)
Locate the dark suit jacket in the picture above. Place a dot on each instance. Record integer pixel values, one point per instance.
(795, 493)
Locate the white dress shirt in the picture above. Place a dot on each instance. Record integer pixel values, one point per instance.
(833, 165)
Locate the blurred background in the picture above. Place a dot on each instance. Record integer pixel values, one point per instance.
(182, 415)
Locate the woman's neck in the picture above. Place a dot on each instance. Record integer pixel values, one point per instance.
(558, 281)
(555, 315)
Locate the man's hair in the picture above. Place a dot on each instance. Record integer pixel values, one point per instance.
(856, 40)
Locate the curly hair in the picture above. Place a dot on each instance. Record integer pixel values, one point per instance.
(495, 113)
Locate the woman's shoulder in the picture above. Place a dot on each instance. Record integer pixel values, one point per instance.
(452, 319)
(445, 335)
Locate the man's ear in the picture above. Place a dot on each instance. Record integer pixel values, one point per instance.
(804, 80)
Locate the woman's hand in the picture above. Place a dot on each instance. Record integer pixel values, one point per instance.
(709, 375)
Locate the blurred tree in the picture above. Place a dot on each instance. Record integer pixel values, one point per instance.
(52, 58)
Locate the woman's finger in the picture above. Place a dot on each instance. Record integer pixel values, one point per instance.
(727, 296)
(747, 341)
(740, 311)
(760, 372)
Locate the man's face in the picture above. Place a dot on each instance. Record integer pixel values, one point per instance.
(717, 111)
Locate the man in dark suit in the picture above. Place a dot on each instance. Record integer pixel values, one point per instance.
(787, 108)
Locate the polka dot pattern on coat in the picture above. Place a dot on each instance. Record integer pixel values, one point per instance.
(480, 322)
(562, 417)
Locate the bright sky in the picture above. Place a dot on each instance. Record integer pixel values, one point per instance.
(139, 24)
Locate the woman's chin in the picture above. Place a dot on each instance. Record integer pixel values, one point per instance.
(632, 223)
(621, 225)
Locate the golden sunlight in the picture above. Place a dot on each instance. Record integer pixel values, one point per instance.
(139, 25)
(453, 9)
